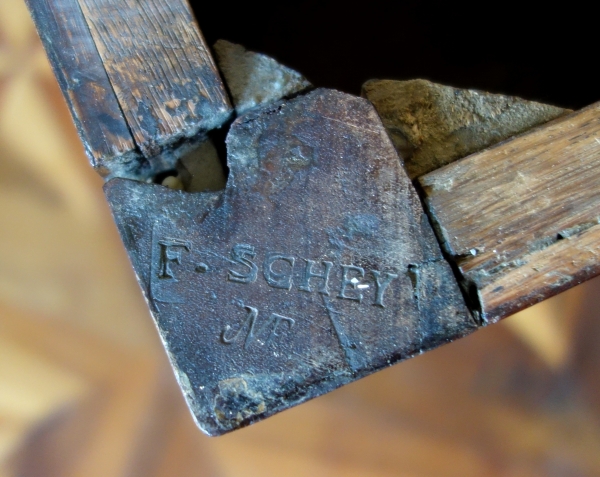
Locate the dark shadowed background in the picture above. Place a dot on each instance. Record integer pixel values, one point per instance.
(537, 52)
(85, 387)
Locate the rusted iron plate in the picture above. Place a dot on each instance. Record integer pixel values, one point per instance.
(315, 267)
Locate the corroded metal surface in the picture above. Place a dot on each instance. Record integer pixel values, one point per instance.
(316, 266)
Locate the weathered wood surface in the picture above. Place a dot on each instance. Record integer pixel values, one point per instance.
(70, 313)
(160, 67)
(521, 220)
(85, 85)
(137, 76)
(315, 266)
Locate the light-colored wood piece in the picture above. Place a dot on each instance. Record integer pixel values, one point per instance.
(520, 220)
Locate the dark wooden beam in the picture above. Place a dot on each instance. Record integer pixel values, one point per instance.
(159, 65)
(138, 78)
(84, 83)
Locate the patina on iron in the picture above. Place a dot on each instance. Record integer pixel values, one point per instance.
(314, 267)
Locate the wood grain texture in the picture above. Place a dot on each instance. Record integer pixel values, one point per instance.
(161, 70)
(84, 83)
(71, 313)
(520, 220)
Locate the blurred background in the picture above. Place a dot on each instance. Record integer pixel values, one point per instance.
(85, 387)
